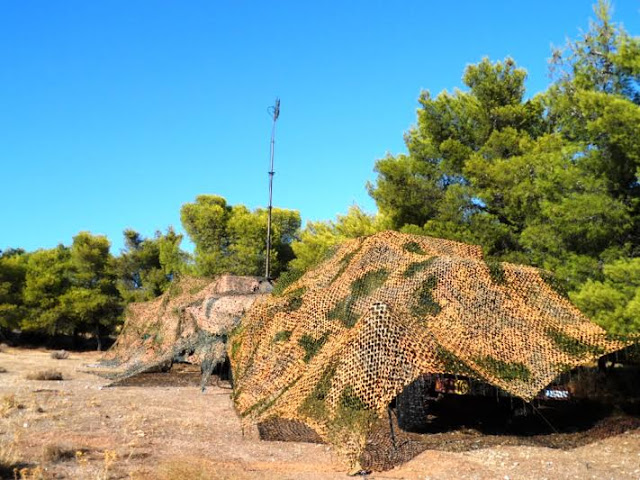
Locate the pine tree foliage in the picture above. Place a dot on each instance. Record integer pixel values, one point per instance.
(550, 180)
(232, 239)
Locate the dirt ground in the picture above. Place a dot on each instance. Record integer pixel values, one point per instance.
(146, 429)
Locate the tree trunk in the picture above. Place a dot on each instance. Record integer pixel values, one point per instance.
(98, 339)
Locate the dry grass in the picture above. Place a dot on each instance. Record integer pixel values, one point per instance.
(129, 432)
(58, 453)
(45, 375)
(8, 403)
(109, 458)
(26, 473)
(193, 470)
(8, 458)
(60, 355)
(147, 433)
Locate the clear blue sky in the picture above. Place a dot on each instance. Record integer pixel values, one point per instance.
(115, 113)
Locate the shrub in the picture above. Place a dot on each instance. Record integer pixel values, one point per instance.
(58, 453)
(45, 375)
(60, 355)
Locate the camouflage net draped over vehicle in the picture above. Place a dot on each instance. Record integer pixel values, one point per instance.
(339, 344)
(189, 322)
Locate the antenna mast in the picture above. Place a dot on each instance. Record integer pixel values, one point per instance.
(275, 113)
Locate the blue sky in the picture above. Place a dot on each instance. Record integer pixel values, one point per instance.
(115, 113)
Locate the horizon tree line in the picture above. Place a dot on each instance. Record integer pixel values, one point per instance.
(551, 181)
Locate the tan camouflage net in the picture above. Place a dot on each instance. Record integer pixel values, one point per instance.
(189, 322)
(342, 342)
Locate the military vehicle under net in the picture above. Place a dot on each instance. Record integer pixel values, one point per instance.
(188, 323)
(326, 358)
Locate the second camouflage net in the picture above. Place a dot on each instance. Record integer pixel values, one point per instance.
(338, 345)
(189, 322)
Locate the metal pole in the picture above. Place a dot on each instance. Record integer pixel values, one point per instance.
(275, 111)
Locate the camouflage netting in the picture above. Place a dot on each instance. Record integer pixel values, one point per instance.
(189, 322)
(338, 345)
